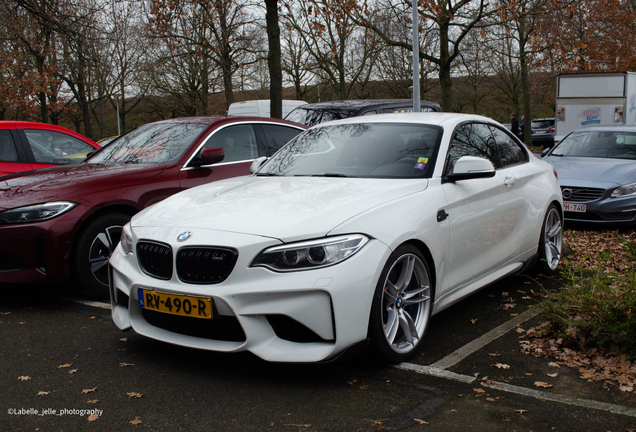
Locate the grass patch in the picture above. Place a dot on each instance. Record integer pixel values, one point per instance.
(597, 306)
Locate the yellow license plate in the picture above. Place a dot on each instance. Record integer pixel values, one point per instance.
(175, 304)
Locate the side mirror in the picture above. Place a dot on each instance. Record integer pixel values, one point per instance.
(212, 155)
(256, 164)
(545, 151)
(471, 167)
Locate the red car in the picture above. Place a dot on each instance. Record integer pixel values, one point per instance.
(63, 223)
(26, 146)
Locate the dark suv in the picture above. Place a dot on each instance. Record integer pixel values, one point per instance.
(320, 112)
(543, 132)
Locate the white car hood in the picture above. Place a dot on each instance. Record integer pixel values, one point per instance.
(286, 208)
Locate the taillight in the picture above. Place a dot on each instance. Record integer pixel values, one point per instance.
(555, 174)
(552, 129)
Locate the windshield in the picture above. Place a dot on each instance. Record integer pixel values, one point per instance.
(359, 150)
(311, 117)
(152, 143)
(540, 124)
(603, 144)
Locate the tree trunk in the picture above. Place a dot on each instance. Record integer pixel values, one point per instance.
(445, 80)
(273, 60)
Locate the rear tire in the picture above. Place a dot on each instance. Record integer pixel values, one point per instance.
(551, 242)
(95, 245)
(401, 305)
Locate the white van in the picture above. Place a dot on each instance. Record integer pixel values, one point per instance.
(260, 108)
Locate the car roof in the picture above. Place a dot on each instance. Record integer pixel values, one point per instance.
(356, 105)
(544, 118)
(430, 118)
(209, 120)
(607, 128)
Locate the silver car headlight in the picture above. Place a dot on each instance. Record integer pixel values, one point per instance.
(126, 240)
(624, 191)
(310, 254)
(36, 213)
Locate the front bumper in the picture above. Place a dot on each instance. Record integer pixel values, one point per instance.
(38, 251)
(305, 316)
(608, 211)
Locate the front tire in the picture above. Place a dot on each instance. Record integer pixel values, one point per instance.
(401, 305)
(95, 244)
(551, 242)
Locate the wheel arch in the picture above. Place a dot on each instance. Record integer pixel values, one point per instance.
(120, 208)
(423, 248)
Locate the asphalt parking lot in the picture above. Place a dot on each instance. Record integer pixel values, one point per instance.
(66, 356)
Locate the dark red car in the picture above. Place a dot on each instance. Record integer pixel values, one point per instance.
(26, 146)
(63, 223)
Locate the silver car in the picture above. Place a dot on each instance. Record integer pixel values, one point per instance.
(596, 167)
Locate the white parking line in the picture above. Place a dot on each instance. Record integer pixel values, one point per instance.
(438, 369)
(85, 302)
(474, 346)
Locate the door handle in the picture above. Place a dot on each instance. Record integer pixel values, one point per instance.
(441, 215)
(509, 181)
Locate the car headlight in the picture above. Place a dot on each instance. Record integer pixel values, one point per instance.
(310, 254)
(36, 213)
(624, 191)
(126, 240)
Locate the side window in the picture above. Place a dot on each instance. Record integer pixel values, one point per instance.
(510, 151)
(8, 152)
(239, 142)
(277, 136)
(48, 145)
(472, 139)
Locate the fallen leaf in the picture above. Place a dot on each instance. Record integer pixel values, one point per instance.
(125, 364)
(490, 399)
(5, 313)
(520, 330)
(94, 401)
(501, 366)
(509, 305)
(554, 364)
(514, 314)
(542, 384)
(626, 389)
(24, 378)
(134, 395)
(521, 411)
(494, 355)
(453, 410)
(473, 321)
(72, 371)
(42, 393)
(136, 421)
(89, 390)
(553, 375)
(91, 317)
(364, 387)
(93, 418)
(418, 421)
(124, 339)
(478, 390)
(21, 322)
(64, 365)
(505, 294)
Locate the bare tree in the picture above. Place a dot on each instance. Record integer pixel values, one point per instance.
(341, 50)
(452, 21)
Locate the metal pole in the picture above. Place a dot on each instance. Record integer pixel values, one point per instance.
(416, 58)
(118, 125)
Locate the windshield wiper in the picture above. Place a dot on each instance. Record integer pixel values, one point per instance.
(266, 174)
(329, 175)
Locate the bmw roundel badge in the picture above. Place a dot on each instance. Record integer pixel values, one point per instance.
(184, 236)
